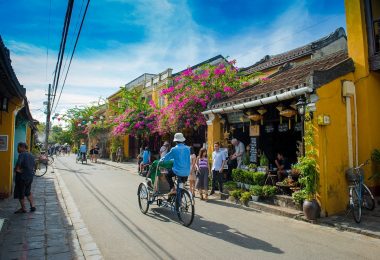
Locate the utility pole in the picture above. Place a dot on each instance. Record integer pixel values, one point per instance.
(47, 127)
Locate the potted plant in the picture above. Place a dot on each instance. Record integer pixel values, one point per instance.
(245, 197)
(307, 166)
(237, 175)
(229, 186)
(246, 179)
(256, 192)
(235, 195)
(258, 178)
(264, 162)
(269, 191)
(252, 167)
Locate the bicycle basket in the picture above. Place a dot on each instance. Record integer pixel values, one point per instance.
(352, 175)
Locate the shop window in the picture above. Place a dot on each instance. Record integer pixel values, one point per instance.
(372, 11)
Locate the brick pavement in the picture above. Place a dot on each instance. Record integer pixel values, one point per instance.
(44, 234)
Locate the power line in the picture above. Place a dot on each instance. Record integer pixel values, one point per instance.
(62, 48)
(72, 54)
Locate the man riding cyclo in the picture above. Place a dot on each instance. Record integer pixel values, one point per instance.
(83, 151)
(180, 155)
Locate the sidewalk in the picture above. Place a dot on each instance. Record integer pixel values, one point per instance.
(370, 225)
(52, 232)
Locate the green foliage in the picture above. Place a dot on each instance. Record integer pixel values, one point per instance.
(230, 185)
(237, 175)
(236, 194)
(115, 143)
(269, 191)
(252, 166)
(258, 178)
(307, 165)
(264, 160)
(99, 129)
(245, 197)
(256, 190)
(299, 196)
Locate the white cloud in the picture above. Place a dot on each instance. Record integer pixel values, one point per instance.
(174, 40)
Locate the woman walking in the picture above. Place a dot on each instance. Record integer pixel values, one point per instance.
(192, 177)
(202, 177)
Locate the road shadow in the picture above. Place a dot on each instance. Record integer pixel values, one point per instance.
(217, 230)
(231, 235)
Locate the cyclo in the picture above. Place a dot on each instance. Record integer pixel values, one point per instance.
(155, 189)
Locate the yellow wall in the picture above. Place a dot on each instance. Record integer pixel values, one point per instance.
(214, 134)
(332, 147)
(126, 146)
(7, 127)
(367, 83)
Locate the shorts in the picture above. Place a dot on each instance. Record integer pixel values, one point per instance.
(22, 188)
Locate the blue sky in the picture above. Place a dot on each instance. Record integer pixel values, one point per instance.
(122, 39)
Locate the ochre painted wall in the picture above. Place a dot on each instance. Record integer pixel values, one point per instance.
(7, 127)
(29, 137)
(214, 134)
(367, 85)
(332, 146)
(126, 146)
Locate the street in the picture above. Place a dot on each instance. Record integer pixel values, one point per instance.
(106, 198)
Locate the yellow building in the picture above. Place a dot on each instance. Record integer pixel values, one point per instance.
(363, 22)
(265, 115)
(16, 122)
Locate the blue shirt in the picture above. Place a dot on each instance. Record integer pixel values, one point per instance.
(146, 157)
(181, 156)
(83, 148)
(26, 163)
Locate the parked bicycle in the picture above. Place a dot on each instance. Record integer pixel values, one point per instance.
(41, 165)
(360, 195)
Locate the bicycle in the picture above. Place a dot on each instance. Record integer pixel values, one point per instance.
(155, 190)
(359, 194)
(81, 157)
(40, 166)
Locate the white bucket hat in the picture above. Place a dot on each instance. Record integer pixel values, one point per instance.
(178, 137)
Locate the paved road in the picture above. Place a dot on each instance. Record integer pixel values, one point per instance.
(107, 200)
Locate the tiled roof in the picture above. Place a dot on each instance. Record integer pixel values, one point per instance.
(202, 63)
(276, 60)
(323, 70)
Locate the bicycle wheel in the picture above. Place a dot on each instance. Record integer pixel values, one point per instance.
(355, 205)
(40, 169)
(185, 208)
(143, 198)
(368, 199)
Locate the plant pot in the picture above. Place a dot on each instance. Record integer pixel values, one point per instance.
(311, 209)
(255, 198)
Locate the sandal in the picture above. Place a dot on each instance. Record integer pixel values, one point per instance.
(20, 211)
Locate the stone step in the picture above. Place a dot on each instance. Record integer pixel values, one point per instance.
(286, 201)
(274, 209)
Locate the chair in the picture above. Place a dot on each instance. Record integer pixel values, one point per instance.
(271, 176)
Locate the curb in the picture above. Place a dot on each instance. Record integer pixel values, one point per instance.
(349, 229)
(83, 243)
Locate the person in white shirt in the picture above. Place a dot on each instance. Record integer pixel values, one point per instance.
(164, 149)
(218, 161)
(239, 151)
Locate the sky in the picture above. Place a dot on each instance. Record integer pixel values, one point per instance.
(122, 39)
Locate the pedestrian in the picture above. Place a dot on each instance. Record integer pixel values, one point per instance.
(24, 177)
(140, 158)
(239, 151)
(92, 154)
(145, 159)
(119, 154)
(218, 161)
(202, 175)
(164, 149)
(96, 153)
(193, 168)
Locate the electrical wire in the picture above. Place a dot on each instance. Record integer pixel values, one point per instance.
(62, 50)
(72, 54)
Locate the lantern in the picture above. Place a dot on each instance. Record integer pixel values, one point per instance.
(79, 124)
(255, 117)
(80, 117)
(94, 122)
(59, 119)
(262, 111)
(83, 122)
(91, 117)
(101, 117)
(288, 113)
